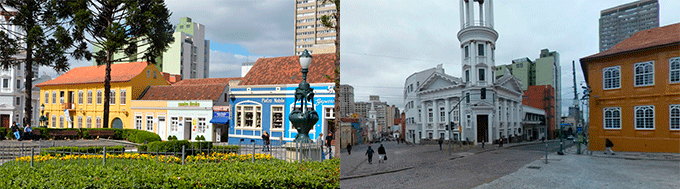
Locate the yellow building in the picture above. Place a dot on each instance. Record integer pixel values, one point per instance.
(75, 99)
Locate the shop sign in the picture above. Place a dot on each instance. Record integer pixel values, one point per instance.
(221, 108)
(275, 100)
(188, 104)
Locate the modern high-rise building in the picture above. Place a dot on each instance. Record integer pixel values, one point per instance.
(620, 22)
(189, 55)
(346, 100)
(545, 70)
(310, 33)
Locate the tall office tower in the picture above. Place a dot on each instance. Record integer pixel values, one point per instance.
(620, 22)
(310, 34)
(189, 55)
(346, 100)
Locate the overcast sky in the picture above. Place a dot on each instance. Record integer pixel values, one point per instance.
(383, 43)
(238, 30)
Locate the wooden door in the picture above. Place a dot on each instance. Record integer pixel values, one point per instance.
(482, 127)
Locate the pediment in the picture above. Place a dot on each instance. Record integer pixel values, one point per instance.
(439, 81)
(510, 82)
(482, 104)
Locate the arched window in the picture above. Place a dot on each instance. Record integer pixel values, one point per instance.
(644, 117)
(612, 118)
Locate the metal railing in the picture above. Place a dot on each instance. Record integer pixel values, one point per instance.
(37, 153)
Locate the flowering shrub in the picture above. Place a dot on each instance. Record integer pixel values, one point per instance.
(142, 174)
(212, 157)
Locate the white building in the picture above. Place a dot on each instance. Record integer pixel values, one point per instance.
(189, 54)
(431, 95)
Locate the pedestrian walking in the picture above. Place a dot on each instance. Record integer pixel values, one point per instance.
(382, 155)
(500, 142)
(369, 153)
(265, 141)
(483, 141)
(441, 141)
(15, 130)
(329, 140)
(609, 144)
(349, 149)
(28, 132)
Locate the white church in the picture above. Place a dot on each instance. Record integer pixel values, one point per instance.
(431, 95)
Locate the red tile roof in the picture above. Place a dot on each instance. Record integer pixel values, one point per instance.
(206, 81)
(185, 92)
(286, 70)
(96, 74)
(662, 36)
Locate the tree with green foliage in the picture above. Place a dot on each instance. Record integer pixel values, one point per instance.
(134, 27)
(31, 34)
(333, 21)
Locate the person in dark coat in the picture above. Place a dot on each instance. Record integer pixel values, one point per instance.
(369, 153)
(441, 141)
(349, 149)
(15, 131)
(329, 143)
(265, 140)
(609, 144)
(381, 154)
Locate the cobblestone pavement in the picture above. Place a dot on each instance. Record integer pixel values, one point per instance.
(596, 171)
(425, 166)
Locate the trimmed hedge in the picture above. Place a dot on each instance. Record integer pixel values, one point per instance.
(142, 174)
(139, 136)
(78, 150)
(176, 146)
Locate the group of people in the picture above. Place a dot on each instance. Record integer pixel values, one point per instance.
(328, 143)
(22, 133)
(382, 155)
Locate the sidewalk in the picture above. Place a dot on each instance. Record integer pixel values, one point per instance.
(406, 156)
(585, 171)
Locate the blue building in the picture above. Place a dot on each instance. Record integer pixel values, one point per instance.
(264, 99)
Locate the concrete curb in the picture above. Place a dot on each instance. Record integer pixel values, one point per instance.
(120, 142)
(633, 158)
(378, 173)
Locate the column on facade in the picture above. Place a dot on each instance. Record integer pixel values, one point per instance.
(481, 13)
(462, 14)
(490, 13)
(435, 119)
(423, 120)
(471, 13)
(447, 117)
(518, 118)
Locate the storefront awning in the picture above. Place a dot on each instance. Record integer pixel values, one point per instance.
(220, 120)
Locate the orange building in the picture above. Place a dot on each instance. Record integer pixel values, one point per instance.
(635, 97)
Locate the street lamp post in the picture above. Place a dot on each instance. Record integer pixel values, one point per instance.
(561, 152)
(42, 117)
(302, 118)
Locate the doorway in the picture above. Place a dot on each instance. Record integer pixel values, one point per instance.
(482, 127)
(162, 127)
(4, 120)
(117, 123)
(187, 128)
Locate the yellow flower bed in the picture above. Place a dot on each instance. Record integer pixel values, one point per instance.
(214, 156)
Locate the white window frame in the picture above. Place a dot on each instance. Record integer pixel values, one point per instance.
(257, 120)
(99, 122)
(89, 96)
(89, 122)
(80, 97)
(61, 121)
(613, 118)
(138, 121)
(123, 96)
(80, 122)
(54, 97)
(672, 117)
(54, 121)
(282, 121)
(671, 72)
(112, 97)
(442, 114)
(174, 123)
(643, 75)
(47, 97)
(430, 114)
(645, 117)
(202, 126)
(149, 122)
(99, 96)
(615, 81)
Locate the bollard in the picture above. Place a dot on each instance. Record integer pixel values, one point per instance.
(104, 156)
(32, 151)
(253, 155)
(546, 152)
(183, 154)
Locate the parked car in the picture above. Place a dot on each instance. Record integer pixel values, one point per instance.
(571, 137)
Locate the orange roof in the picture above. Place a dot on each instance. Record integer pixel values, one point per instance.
(286, 70)
(96, 74)
(667, 35)
(184, 92)
(643, 40)
(206, 81)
